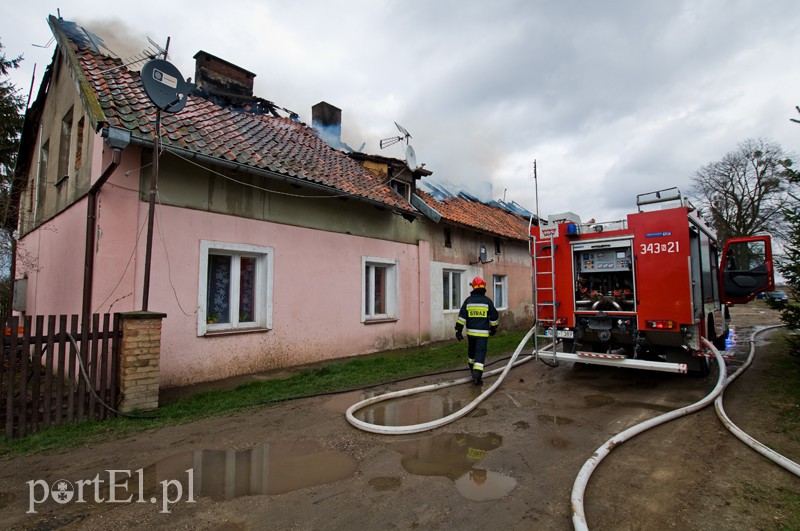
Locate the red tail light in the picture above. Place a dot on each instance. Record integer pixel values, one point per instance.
(660, 325)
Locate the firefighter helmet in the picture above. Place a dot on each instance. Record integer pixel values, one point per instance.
(478, 283)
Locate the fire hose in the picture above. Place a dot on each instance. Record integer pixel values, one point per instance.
(579, 486)
(425, 426)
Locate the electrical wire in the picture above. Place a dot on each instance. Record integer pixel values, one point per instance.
(122, 276)
(169, 267)
(267, 190)
(84, 373)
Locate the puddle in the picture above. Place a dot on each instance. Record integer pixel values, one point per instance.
(384, 483)
(593, 401)
(455, 456)
(423, 408)
(521, 425)
(522, 400)
(476, 413)
(558, 442)
(547, 420)
(265, 469)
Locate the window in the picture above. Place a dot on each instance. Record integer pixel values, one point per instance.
(500, 291)
(451, 290)
(79, 146)
(401, 188)
(235, 291)
(379, 289)
(63, 146)
(447, 238)
(41, 185)
(497, 246)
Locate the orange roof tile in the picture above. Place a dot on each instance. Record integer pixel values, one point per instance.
(260, 141)
(479, 216)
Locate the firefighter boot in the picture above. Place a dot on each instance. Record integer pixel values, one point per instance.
(477, 377)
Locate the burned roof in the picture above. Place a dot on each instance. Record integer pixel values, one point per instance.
(479, 216)
(255, 140)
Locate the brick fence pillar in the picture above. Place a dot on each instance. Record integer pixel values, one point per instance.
(140, 353)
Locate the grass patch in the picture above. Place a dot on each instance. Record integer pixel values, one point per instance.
(783, 388)
(334, 376)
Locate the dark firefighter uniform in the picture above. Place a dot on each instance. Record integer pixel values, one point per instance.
(480, 318)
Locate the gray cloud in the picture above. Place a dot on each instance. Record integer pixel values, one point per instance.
(612, 98)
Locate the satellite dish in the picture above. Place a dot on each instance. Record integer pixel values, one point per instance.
(164, 85)
(411, 158)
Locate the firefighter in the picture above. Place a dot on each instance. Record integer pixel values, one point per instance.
(480, 317)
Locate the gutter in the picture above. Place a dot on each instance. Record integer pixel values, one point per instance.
(117, 139)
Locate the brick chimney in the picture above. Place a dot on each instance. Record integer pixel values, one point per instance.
(221, 78)
(327, 119)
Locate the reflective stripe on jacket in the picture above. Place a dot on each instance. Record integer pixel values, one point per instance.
(478, 314)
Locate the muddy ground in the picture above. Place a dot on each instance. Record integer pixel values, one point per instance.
(510, 464)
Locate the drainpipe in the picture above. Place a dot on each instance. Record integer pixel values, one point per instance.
(117, 139)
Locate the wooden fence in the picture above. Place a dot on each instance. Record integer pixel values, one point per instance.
(54, 370)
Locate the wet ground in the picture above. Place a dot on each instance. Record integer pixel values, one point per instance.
(509, 463)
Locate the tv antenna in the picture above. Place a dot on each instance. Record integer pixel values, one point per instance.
(386, 142)
(411, 156)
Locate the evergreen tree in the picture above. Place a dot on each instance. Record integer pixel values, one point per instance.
(790, 263)
(11, 120)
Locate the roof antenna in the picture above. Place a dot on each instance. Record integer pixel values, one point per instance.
(411, 157)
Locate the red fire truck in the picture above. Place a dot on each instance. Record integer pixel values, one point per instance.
(641, 292)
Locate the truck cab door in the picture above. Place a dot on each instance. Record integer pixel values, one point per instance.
(746, 269)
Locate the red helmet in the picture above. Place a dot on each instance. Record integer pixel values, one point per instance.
(478, 283)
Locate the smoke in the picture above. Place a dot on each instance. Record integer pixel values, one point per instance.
(115, 38)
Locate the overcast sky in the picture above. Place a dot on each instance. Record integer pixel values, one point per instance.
(610, 98)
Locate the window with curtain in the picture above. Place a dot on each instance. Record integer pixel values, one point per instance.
(236, 288)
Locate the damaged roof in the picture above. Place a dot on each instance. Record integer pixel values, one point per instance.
(479, 216)
(279, 145)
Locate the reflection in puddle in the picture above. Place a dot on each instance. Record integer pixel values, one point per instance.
(454, 456)
(265, 469)
(521, 399)
(545, 420)
(424, 408)
(483, 485)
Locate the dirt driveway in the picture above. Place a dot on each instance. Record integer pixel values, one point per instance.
(509, 464)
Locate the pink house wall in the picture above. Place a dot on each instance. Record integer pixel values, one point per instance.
(316, 292)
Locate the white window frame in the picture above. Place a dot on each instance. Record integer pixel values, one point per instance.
(502, 282)
(460, 297)
(368, 263)
(263, 288)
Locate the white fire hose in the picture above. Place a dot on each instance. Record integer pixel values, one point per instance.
(425, 426)
(579, 486)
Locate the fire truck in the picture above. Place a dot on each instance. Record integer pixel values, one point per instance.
(641, 292)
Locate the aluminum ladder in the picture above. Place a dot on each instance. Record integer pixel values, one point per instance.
(544, 294)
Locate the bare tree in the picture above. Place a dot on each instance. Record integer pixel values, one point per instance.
(745, 192)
